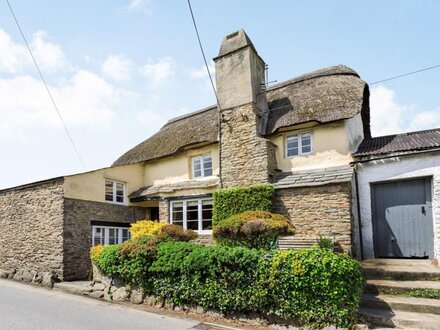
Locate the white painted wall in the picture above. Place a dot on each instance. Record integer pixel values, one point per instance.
(404, 167)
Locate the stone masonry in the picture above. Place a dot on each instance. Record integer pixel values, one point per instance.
(164, 212)
(322, 210)
(31, 229)
(78, 231)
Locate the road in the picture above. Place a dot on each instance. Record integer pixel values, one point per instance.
(25, 307)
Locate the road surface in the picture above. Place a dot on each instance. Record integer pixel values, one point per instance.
(25, 307)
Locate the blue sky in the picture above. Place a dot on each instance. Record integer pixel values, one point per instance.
(119, 70)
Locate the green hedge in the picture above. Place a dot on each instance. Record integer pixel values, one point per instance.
(315, 287)
(227, 202)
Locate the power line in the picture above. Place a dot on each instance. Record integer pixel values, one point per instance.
(45, 85)
(203, 53)
(406, 74)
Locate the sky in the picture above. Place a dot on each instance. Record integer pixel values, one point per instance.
(118, 70)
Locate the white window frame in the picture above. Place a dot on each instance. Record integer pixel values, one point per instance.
(202, 166)
(107, 232)
(114, 184)
(299, 135)
(199, 210)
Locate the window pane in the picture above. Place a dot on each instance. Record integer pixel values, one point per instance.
(207, 215)
(194, 225)
(125, 235)
(177, 209)
(292, 145)
(113, 235)
(306, 142)
(207, 171)
(197, 174)
(98, 236)
(108, 190)
(109, 197)
(120, 199)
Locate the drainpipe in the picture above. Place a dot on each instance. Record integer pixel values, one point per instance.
(358, 206)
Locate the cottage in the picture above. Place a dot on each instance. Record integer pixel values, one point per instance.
(301, 135)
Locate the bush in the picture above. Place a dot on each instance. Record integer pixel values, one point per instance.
(145, 228)
(253, 229)
(108, 261)
(95, 253)
(227, 202)
(315, 286)
(325, 243)
(222, 278)
(176, 233)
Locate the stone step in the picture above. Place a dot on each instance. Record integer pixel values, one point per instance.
(378, 317)
(401, 269)
(399, 287)
(409, 304)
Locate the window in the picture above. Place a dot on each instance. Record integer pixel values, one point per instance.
(114, 191)
(202, 166)
(106, 235)
(299, 144)
(193, 214)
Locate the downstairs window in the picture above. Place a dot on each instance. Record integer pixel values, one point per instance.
(108, 235)
(195, 214)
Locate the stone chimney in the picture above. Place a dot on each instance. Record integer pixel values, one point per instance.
(246, 157)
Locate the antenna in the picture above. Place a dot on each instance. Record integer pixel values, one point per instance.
(266, 83)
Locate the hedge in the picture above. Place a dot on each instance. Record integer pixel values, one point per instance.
(227, 202)
(315, 287)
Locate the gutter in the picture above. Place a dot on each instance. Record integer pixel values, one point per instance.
(358, 207)
(360, 161)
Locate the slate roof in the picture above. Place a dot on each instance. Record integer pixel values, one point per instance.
(172, 187)
(315, 177)
(411, 141)
(322, 96)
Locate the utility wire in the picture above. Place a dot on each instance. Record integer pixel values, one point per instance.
(45, 85)
(203, 53)
(406, 74)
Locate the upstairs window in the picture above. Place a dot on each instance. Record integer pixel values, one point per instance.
(114, 191)
(299, 144)
(202, 166)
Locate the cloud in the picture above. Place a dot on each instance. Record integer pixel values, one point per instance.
(117, 68)
(201, 72)
(85, 100)
(390, 117)
(15, 58)
(139, 6)
(158, 72)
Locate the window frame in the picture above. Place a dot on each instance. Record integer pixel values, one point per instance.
(114, 190)
(202, 166)
(107, 234)
(299, 137)
(199, 213)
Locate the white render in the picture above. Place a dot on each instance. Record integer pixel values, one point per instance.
(395, 168)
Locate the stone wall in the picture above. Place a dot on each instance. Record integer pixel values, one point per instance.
(246, 157)
(31, 229)
(315, 211)
(164, 211)
(78, 231)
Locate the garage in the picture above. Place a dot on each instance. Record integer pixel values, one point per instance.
(402, 219)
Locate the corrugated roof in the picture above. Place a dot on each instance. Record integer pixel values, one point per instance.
(315, 177)
(325, 95)
(411, 141)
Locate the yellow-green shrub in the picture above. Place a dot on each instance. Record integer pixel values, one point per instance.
(95, 253)
(145, 228)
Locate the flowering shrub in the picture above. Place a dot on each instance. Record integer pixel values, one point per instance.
(95, 253)
(145, 228)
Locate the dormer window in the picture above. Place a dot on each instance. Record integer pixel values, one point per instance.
(114, 192)
(299, 144)
(202, 166)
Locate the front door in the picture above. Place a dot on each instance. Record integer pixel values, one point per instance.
(402, 219)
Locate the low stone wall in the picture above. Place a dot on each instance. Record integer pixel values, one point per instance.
(46, 279)
(318, 211)
(31, 229)
(78, 231)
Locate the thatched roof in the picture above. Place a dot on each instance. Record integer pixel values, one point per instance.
(322, 96)
(399, 143)
(178, 133)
